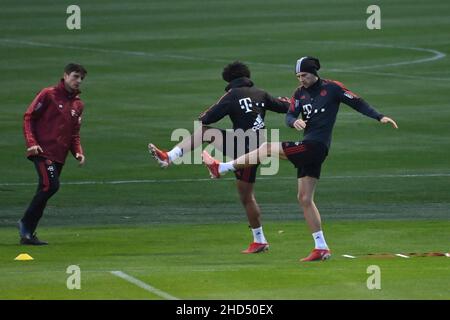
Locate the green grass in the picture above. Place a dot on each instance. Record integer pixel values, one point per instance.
(154, 66)
(203, 262)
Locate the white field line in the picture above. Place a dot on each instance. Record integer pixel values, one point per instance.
(348, 256)
(402, 255)
(113, 51)
(144, 285)
(151, 181)
(436, 55)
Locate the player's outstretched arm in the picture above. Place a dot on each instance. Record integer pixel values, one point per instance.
(389, 120)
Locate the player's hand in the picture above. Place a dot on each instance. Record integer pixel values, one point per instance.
(299, 124)
(81, 158)
(34, 150)
(285, 99)
(389, 120)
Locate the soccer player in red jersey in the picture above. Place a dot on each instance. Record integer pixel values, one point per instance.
(51, 128)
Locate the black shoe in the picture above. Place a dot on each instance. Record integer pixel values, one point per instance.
(33, 240)
(23, 231)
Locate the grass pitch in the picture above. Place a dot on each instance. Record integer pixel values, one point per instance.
(204, 262)
(153, 67)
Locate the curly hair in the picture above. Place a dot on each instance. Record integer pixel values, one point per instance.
(235, 70)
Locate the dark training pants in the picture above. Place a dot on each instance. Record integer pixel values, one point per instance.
(48, 172)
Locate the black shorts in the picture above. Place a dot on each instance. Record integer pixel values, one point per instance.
(307, 157)
(247, 174)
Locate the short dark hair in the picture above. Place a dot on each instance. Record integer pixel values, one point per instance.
(75, 67)
(235, 70)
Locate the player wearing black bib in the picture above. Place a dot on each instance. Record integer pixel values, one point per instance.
(246, 106)
(316, 101)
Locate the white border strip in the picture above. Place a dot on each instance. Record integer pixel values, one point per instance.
(402, 256)
(348, 256)
(144, 285)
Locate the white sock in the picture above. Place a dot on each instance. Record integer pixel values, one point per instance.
(319, 239)
(258, 235)
(226, 166)
(174, 154)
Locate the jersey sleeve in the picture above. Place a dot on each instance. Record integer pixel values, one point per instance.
(293, 112)
(218, 110)
(34, 111)
(356, 102)
(278, 105)
(76, 147)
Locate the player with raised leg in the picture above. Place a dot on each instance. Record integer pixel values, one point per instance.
(246, 106)
(317, 101)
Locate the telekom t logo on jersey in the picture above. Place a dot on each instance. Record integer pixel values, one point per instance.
(246, 103)
(307, 110)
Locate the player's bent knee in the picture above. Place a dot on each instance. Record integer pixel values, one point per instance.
(275, 149)
(264, 146)
(54, 187)
(246, 196)
(304, 199)
(247, 199)
(267, 148)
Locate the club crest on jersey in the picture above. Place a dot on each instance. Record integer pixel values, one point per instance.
(74, 113)
(323, 93)
(60, 106)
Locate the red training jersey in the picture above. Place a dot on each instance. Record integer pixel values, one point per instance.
(53, 122)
